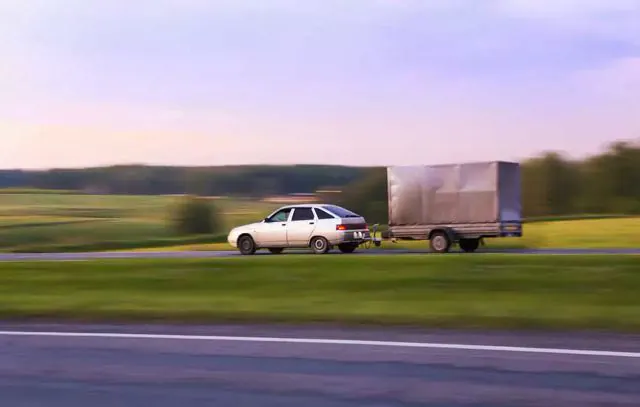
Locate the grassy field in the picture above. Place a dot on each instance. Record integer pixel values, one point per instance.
(484, 291)
(48, 221)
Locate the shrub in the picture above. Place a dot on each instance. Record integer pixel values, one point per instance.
(196, 215)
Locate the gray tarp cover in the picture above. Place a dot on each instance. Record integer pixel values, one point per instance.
(456, 193)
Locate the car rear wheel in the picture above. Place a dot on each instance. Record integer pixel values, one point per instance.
(276, 250)
(246, 245)
(319, 245)
(347, 247)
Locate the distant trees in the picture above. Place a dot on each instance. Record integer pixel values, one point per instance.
(249, 181)
(552, 184)
(612, 180)
(195, 215)
(608, 183)
(368, 196)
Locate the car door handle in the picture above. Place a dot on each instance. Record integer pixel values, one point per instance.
(312, 223)
(284, 224)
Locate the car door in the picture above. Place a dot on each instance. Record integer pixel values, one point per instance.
(272, 232)
(300, 228)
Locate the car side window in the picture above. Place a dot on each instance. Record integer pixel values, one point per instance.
(322, 214)
(280, 216)
(302, 214)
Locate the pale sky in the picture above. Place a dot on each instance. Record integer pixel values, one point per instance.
(355, 82)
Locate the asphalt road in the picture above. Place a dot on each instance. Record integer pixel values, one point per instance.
(274, 366)
(210, 254)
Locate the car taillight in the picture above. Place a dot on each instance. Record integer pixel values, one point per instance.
(353, 226)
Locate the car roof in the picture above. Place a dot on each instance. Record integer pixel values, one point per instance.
(307, 206)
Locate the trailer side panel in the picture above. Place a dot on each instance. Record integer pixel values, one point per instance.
(457, 196)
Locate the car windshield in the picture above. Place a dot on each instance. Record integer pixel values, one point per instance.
(341, 212)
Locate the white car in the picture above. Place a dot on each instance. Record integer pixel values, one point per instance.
(319, 227)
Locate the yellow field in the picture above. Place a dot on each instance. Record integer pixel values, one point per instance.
(569, 234)
(590, 233)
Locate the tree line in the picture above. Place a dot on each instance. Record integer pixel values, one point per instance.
(552, 184)
(246, 181)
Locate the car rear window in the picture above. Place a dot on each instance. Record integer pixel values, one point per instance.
(341, 212)
(323, 214)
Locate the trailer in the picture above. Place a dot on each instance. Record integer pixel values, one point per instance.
(453, 204)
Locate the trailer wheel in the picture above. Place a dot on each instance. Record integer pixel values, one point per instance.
(440, 242)
(469, 245)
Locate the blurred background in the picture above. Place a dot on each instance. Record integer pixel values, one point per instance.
(591, 202)
(227, 100)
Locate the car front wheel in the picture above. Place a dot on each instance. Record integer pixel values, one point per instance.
(246, 245)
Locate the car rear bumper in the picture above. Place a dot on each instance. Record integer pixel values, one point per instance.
(355, 236)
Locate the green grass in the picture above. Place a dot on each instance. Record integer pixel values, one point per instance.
(77, 222)
(483, 291)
